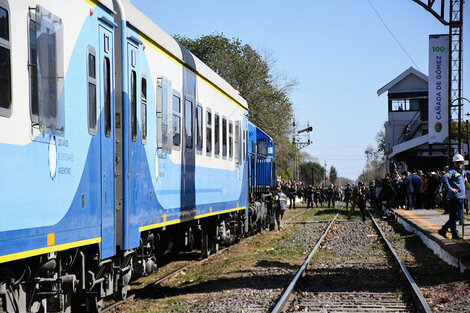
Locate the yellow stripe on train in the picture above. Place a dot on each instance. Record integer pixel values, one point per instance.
(30, 253)
(182, 220)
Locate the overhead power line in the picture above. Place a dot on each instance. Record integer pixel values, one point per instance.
(394, 37)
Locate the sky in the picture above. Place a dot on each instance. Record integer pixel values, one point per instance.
(338, 51)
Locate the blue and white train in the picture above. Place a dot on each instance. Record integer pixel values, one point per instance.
(116, 146)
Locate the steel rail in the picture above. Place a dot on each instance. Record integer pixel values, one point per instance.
(422, 301)
(178, 270)
(285, 296)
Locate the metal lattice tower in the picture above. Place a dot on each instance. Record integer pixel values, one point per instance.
(453, 18)
(455, 66)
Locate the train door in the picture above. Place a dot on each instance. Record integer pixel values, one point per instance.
(107, 147)
(188, 188)
(133, 143)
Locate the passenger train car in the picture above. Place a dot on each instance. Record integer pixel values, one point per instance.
(117, 145)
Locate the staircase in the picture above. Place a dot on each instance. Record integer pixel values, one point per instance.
(415, 125)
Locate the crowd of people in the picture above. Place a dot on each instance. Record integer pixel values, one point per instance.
(412, 189)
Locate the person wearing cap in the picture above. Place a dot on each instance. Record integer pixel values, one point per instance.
(281, 201)
(454, 180)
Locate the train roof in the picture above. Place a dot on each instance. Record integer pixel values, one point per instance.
(259, 130)
(107, 3)
(150, 30)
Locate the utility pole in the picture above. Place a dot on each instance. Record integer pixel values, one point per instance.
(300, 140)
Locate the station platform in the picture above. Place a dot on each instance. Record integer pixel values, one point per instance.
(426, 223)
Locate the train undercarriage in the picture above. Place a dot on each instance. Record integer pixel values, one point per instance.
(77, 278)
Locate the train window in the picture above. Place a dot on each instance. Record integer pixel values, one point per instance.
(262, 148)
(143, 109)
(4, 29)
(164, 113)
(5, 67)
(46, 71)
(188, 124)
(208, 131)
(176, 121)
(107, 96)
(91, 60)
(133, 106)
(230, 140)
(237, 142)
(159, 113)
(224, 137)
(216, 135)
(244, 146)
(199, 128)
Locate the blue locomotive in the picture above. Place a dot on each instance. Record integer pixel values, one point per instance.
(117, 145)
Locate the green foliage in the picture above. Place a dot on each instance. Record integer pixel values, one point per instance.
(380, 139)
(333, 175)
(306, 173)
(252, 75)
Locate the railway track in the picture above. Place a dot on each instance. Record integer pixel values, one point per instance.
(135, 293)
(358, 272)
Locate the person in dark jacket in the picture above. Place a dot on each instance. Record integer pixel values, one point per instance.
(387, 194)
(348, 195)
(317, 197)
(331, 194)
(415, 181)
(454, 180)
(361, 200)
(292, 195)
(409, 191)
(309, 196)
(281, 204)
(355, 198)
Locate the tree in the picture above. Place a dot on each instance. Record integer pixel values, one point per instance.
(333, 175)
(375, 159)
(266, 92)
(309, 168)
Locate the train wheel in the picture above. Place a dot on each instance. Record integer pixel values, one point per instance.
(214, 246)
(205, 247)
(122, 294)
(94, 304)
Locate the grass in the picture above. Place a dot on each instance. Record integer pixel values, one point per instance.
(168, 304)
(377, 246)
(401, 238)
(281, 247)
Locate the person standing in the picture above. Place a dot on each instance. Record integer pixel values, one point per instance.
(372, 197)
(361, 200)
(331, 195)
(347, 195)
(281, 206)
(309, 196)
(415, 181)
(454, 180)
(355, 193)
(317, 197)
(409, 191)
(387, 194)
(443, 190)
(292, 195)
